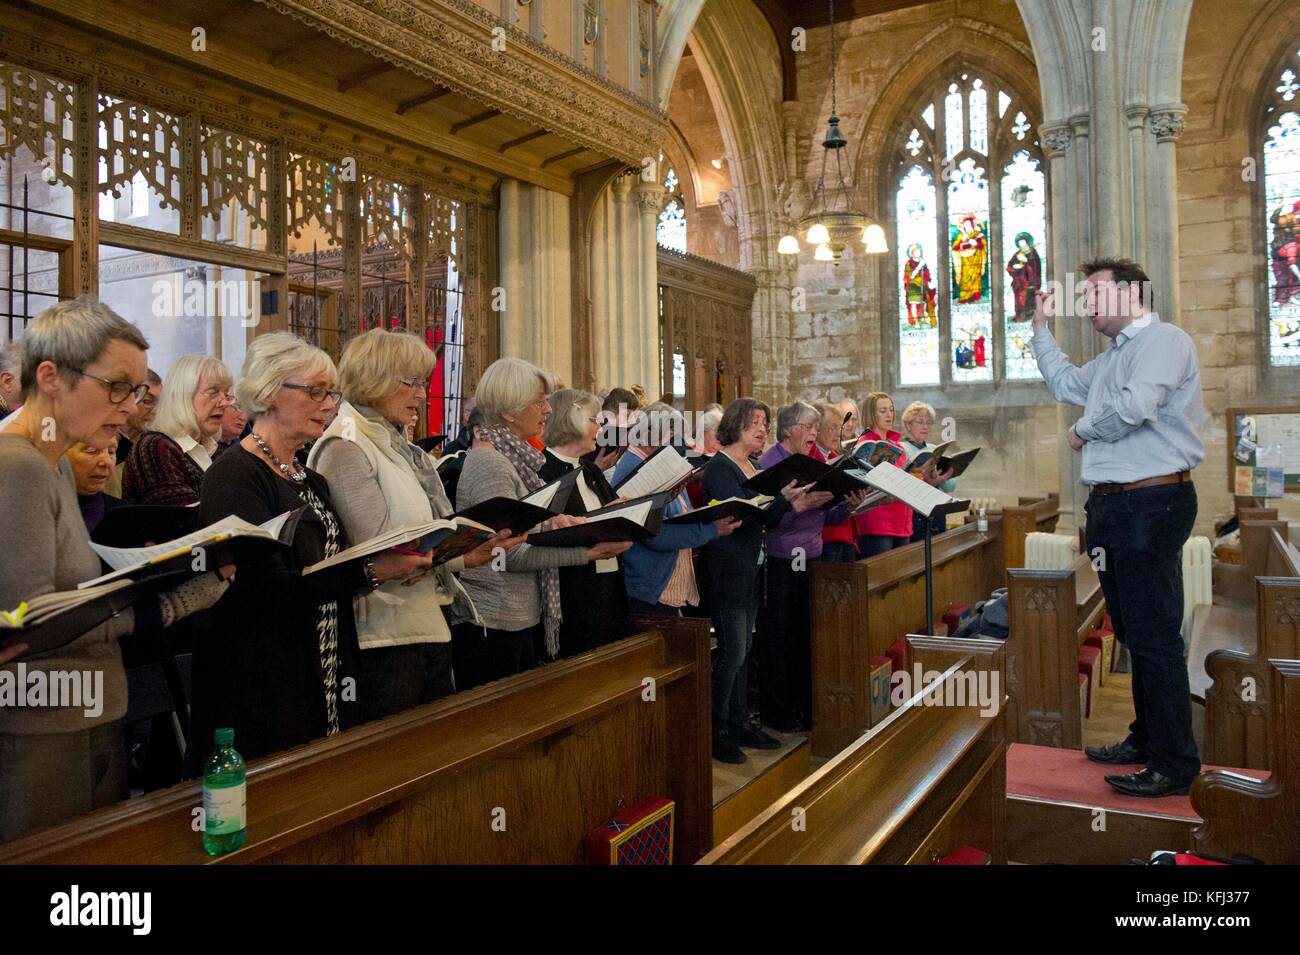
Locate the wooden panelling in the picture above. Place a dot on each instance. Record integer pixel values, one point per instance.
(1044, 832)
(1261, 819)
(517, 771)
(859, 609)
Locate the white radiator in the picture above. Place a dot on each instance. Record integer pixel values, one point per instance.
(1050, 551)
(1198, 559)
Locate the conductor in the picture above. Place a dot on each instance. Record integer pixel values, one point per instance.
(1139, 437)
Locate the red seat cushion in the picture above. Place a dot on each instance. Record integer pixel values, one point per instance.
(897, 654)
(955, 616)
(1089, 667)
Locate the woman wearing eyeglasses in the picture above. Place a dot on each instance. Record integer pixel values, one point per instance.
(382, 482)
(166, 464)
(84, 369)
(277, 660)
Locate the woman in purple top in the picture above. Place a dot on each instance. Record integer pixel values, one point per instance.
(784, 639)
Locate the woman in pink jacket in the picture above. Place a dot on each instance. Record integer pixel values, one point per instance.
(889, 525)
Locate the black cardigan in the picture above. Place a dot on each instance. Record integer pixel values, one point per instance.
(257, 653)
(594, 606)
(731, 562)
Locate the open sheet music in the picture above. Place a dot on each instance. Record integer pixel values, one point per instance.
(915, 493)
(659, 472)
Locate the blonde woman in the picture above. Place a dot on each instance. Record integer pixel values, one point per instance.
(166, 464)
(380, 481)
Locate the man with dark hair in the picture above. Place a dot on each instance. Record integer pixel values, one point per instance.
(138, 423)
(1140, 439)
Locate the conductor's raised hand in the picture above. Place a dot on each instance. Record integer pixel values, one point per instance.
(1044, 308)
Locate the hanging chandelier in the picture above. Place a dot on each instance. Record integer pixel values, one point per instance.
(831, 219)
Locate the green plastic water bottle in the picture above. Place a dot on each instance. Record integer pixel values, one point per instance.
(224, 797)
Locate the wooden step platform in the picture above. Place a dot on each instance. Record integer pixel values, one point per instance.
(1061, 810)
(741, 792)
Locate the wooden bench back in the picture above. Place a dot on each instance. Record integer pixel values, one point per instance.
(1029, 515)
(859, 609)
(927, 780)
(1051, 614)
(1238, 699)
(551, 754)
(1258, 818)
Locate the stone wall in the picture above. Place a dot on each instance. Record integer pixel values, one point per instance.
(1232, 46)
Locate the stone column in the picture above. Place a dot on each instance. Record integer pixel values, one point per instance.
(535, 274)
(1166, 123)
(645, 359)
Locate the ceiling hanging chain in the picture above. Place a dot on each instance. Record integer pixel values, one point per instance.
(830, 224)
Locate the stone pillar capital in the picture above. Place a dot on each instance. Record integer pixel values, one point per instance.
(648, 197)
(1167, 121)
(1137, 115)
(1056, 138)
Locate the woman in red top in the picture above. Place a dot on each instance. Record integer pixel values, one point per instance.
(889, 525)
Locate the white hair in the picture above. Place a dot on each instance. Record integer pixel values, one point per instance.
(271, 360)
(508, 387)
(795, 413)
(175, 416)
(570, 409)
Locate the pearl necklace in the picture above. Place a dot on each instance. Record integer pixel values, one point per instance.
(297, 476)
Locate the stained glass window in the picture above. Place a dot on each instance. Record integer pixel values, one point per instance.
(1282, 226)
(671, 231)
(970, 217)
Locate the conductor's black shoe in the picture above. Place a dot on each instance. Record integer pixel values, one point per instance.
(756, 739)
(1148, 782)
(1123, 753)
(725, 751)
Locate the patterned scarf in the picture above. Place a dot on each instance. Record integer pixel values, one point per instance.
(527, 460)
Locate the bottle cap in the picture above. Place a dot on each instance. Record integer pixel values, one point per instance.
(225, 736)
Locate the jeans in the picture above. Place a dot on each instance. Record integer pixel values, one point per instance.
(784, 647)
(734, 629)
(396, 678)
(1136, 539)
(641, 608)
(481, 654)
(838, 552)
(869, 545)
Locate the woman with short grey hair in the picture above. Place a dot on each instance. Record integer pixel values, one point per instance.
(797, 415)
(520, 605)
(166, 464)
(593, 599)
(84, 371)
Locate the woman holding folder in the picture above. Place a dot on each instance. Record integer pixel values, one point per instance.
(277, 660)
(593, 601)
(733, 564)
(522, 593)
(84, 371)
(381, 482)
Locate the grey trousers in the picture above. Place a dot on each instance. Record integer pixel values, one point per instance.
(49, 779)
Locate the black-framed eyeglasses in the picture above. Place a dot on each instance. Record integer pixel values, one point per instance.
(317, 392)
(118, 391)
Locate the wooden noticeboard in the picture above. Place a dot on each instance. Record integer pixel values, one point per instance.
(1253, 429)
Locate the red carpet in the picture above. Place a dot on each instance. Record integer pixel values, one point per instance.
(1066, 775)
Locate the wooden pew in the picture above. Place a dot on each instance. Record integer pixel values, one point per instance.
(924, 782)
(859, 609)
(1229, 669)
(1258, 818)
(551, 753)
(1052, 612)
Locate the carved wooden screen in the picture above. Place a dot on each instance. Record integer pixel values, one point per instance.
(705, 329)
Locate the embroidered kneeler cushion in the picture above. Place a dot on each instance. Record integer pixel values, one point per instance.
(640, 834)
(965, 855)
(881, 669)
